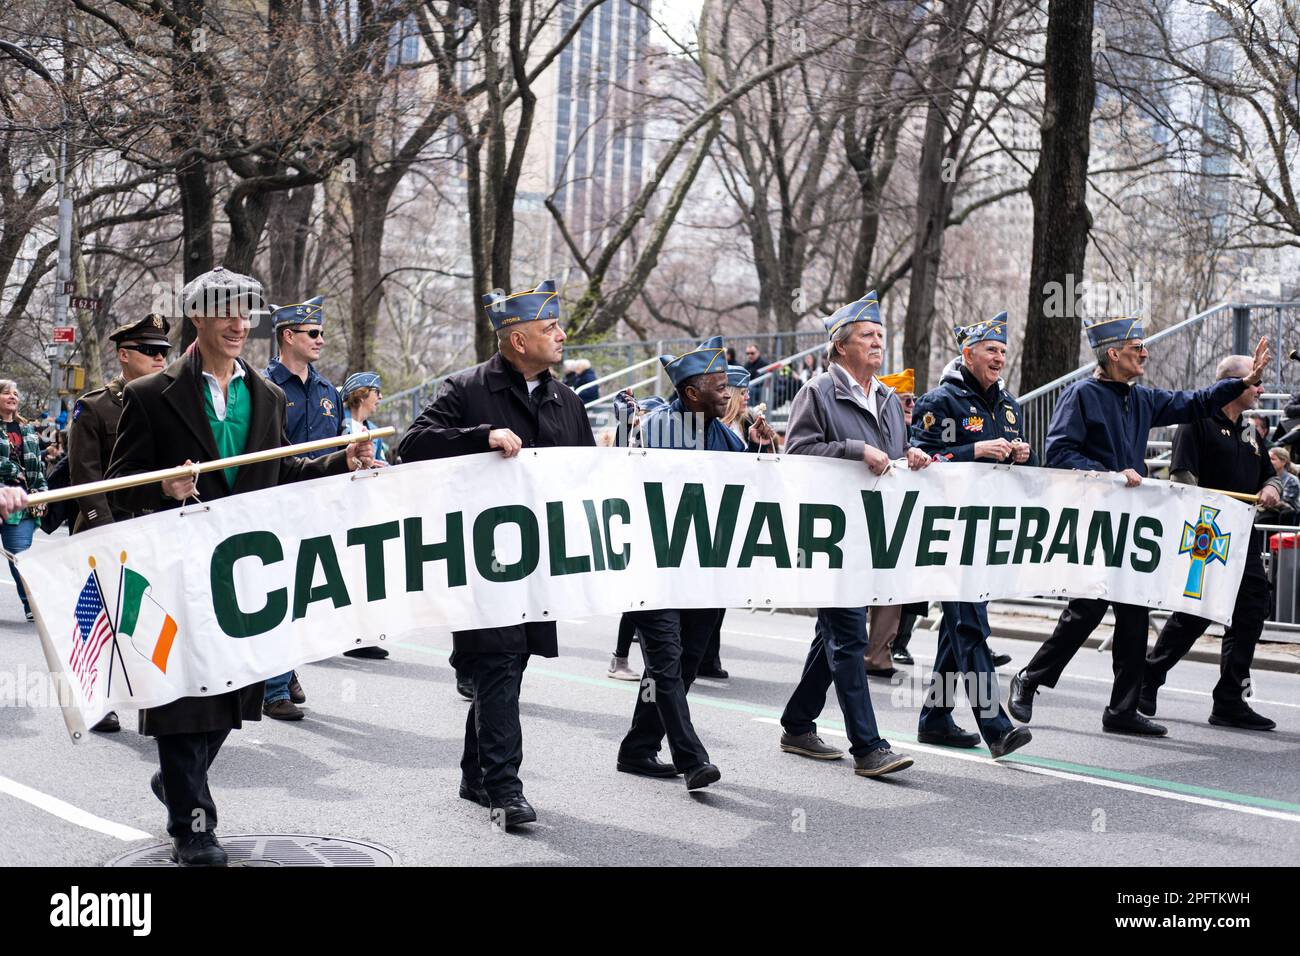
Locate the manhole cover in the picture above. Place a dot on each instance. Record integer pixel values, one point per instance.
(276, 849)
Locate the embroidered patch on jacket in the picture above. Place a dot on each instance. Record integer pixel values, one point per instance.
(974, 423)
(927, 420)
(327, 407)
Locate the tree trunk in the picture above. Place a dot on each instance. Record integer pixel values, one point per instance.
(288, 227)
(192, 182)
(1058, 191)
(933, 203)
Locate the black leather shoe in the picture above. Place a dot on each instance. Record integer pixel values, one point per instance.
(198, 849)
(881, 671)
(956, 737)
(646, 767)
(1001, 660)
(901, 656)
(108, 724)
(1013, 739)
(702, 776)
(1020, 701)
(1133, 724)
(1147, 703)
(155, 784)
(1244, 719)
(296, 693)
(465, 688)
(370, 653)
(717, 673)
(513, 812)
(474, 794)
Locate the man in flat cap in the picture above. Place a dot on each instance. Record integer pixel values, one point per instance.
(208, 404)
(1102, 424)
(673, 641)
(845, 412)
(971, 416)
(507, 403)
(142, 349)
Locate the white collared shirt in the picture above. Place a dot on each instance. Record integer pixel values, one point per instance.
(866, 398)
(214, 389)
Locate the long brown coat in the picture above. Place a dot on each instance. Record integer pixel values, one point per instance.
(163, 423)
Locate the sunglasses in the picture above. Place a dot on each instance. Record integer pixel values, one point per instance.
(310, 333)
(908, 402)
(153, 351)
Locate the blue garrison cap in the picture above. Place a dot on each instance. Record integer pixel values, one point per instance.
(866, 309)
(527, 306)
(1114, 331)
(990, 330)
(737, 376)
(359, 380)
(709, 356)
(311, 312)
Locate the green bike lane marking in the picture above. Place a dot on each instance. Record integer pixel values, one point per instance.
(1228, 799)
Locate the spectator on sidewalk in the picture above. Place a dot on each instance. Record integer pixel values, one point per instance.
(21, 469)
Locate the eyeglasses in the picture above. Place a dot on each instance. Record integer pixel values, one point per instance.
(310, 333)
(153, 351)
(908, 401)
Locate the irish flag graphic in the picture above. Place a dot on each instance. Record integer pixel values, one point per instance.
(152, 630)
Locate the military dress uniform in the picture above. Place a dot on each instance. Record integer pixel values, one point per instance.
(468, 407)
(1103, 425)
(1218, 452)
(94, 425)
(946, 424)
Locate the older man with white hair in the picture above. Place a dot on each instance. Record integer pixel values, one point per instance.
(845, 412)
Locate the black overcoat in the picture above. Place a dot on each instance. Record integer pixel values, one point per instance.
(163, 423)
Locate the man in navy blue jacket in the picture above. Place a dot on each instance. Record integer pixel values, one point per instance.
(970, 416)
(1102, 424)
(673, 641)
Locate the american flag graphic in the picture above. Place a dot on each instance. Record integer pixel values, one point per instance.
(89, 635)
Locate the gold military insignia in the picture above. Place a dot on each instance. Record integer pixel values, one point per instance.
(157, 322)
(1011, 417)
(927, 420)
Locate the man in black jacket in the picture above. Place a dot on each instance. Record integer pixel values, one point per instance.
(1224, 452)
(208, 404)
(507, 403)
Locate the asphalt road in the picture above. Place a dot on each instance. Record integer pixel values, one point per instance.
(377, 757)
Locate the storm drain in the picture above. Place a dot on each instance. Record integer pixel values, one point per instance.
(276, 849)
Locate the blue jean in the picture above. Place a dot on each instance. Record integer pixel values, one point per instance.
(963, 654)
(18, 538)
(277, 688)
(836, 656)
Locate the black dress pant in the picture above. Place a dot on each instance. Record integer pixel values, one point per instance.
(184, 760)
(1181, 631)
(626, 634)
(1128, 648)
(494, 740)
(911, 614)
(712, 660)
(672, 645)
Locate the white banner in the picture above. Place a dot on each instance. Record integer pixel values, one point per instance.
(211, 597)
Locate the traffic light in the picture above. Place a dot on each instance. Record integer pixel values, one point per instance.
(74, 380)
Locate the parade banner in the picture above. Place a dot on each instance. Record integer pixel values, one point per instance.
(200, 600)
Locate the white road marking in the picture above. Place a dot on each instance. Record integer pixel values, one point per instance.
(66, 811)
(952, 754)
